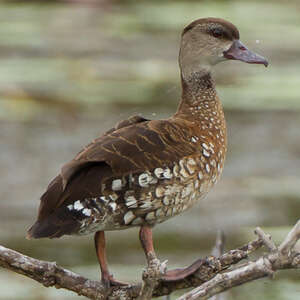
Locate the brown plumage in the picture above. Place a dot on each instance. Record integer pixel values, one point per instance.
(143, 172)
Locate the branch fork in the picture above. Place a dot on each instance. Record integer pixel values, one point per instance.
(151, 276)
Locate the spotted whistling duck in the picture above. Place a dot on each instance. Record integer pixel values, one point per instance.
(143, 172)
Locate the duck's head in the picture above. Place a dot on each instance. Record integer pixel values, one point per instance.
(206, 42)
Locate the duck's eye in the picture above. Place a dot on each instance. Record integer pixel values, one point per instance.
(217, 32)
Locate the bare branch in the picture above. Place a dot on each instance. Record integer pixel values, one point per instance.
(266, 238)
(291, 239)
(49, 274)
(262, 267)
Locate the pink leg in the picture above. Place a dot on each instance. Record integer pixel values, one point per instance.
(172, 275)
(146, 239)
(106, 278)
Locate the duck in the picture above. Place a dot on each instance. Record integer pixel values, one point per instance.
(143, 172)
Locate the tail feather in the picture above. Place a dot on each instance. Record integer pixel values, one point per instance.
(42, 229)
(54, 226)
(54, 219)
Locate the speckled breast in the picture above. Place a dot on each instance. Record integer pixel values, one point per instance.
(152, 196)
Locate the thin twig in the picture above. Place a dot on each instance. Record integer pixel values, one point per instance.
(266, 238)
(291, 239)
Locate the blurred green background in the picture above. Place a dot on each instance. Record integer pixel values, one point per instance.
(70, 69)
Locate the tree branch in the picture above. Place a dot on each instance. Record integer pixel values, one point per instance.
(282, 258)
(211, 278)
(49, 274)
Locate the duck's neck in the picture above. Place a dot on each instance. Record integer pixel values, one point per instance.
(198, 93)
(201, 105)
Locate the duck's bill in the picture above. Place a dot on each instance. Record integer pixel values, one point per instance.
(239, 51)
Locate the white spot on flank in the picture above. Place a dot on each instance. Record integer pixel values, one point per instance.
(207, 168)
(167, 173)
(116, 185)
(87, 212)
(144, 179)
(103, 199)
(70, 207)
(206, 153)
(78, 205)
(128, 217)
(193, 139)
(205, 146)
(131, 201)
(113, 206)
(158, 172)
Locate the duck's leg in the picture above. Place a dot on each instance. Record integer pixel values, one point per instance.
(106, 277)
(172, 275)
(146, 239)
